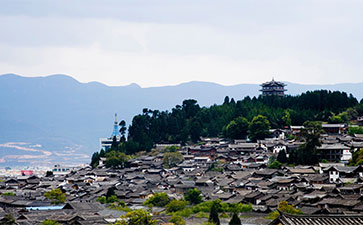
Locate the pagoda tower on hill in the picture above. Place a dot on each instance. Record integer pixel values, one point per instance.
(273, 88)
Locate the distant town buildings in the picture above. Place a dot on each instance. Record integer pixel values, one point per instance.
(273, 88)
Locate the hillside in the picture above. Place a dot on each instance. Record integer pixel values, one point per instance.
(57, 119)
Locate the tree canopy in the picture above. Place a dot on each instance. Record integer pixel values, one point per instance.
(233, 119)
(56, 196)
(193, 196)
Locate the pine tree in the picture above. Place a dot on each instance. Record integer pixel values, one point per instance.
(213, 216)
(281, 157)
(235, 220)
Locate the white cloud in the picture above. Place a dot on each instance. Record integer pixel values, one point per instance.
(309, 42)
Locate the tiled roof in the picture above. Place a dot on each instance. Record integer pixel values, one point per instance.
(287, 219)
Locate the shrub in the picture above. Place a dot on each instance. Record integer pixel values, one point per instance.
(8, 194)
(159, 200)
(56, 196)
(193, 196)
(177, 220)
(49, 222)
(176, 205)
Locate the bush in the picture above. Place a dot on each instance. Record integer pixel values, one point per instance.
(120, 206)
(56, 196)
(8, 194)
(49, 222)
(177, 220)
(184, 213)
(193, 196)
(104, 199)
(273, 215)
(235, 220)
(137, 217)
(275, 165)
(158, 199)
(202, 207)
(202, 215)
(176, 205)
(284, 207)
(171, 159)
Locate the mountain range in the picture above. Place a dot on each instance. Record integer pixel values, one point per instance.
(56, 119)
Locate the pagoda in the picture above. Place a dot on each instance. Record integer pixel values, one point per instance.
(273, 88)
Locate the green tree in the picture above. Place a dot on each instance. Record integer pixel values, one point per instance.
(49, 174)
(123, 131)
(237, 128)
(49, 222)
(177, 220)
(259, 128)
(357, 158)
(308, 151)
(116, 159)
(56, 196)
(102, 199)
(281, 157)
(287, 118)
(114, 143)
(158, 199)
(8, 194)
(137, 217)
(213, 215)
(275, 165)
(284, 207)
(235, 220)
(8, 220)
(176, 205)
(171, 159)
(95, 159)
(193, 196)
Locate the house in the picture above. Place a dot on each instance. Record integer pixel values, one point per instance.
(288, 219)
(334, 152)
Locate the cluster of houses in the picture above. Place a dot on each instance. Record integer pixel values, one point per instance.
(235, 172)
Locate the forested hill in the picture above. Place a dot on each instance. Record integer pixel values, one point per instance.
(61, 115)
(189, 121)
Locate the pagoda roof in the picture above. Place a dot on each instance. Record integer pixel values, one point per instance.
(273, 83)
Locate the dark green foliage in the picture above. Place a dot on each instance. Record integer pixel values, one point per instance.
(177, 220)
(171, 159)
(307, 154)
(95, 159)
(176, 205)
(56, 196)
(235, 220)
(110, 192)
(274, 165)
(114, 143)
(213, 215)
(193, 196)
(355, 130)
(115, 159)
(237, 128)
(49, 222)
(281, 157)
(8, 194)
(49, 174)
(357, 158)
(259, 128)
(8, 220)
(159, 200)
(188, 121)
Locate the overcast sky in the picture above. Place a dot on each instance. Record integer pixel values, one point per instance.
(166, 42)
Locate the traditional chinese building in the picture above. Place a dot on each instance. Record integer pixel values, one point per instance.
(273, 88)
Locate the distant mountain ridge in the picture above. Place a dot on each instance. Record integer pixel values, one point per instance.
(67, 117)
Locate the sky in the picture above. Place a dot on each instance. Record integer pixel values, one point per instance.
(167, 42)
